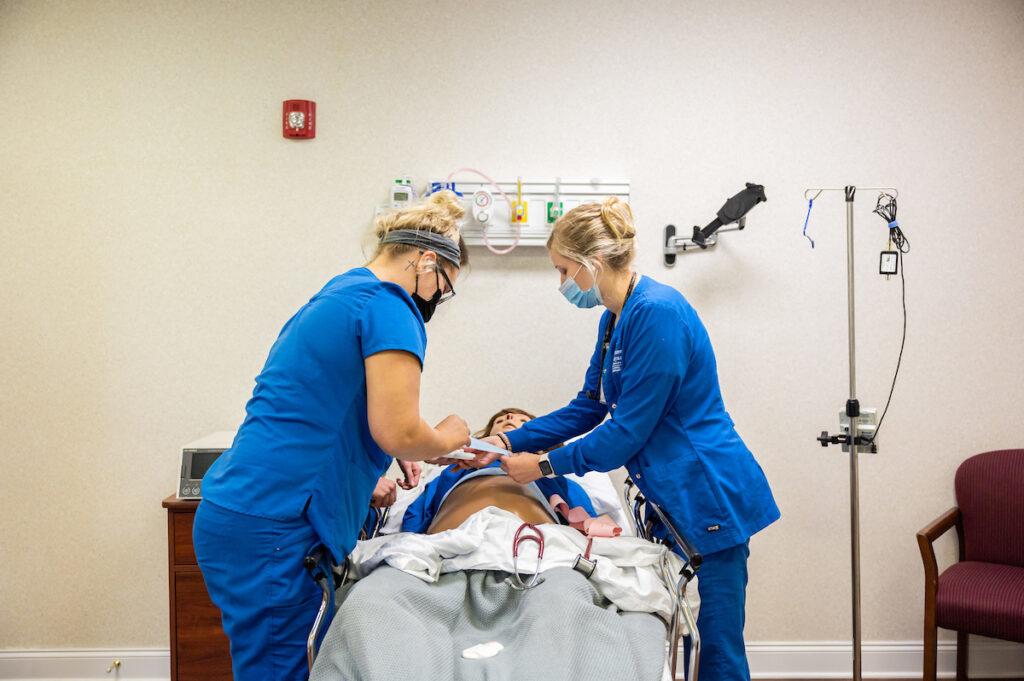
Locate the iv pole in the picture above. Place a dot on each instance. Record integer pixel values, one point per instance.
(852, 412)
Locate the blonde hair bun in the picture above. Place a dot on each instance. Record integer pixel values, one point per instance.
(617, 215)
(447, 202)
(438, 213)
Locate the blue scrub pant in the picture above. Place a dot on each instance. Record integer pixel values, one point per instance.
(722, 585)
(254, 574)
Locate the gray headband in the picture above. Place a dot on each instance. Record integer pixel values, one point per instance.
(421, 238)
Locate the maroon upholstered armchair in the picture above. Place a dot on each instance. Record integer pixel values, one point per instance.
(983, 593)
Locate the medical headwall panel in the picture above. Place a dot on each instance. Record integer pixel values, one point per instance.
(508, 212)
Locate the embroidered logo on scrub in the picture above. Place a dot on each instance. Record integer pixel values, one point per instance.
(714, 528)
(617, 361)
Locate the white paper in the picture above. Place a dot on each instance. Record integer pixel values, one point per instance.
(485, 447)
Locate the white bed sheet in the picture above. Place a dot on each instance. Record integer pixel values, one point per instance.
(628, 569)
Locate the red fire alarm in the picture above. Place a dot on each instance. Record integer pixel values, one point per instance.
(300, 118)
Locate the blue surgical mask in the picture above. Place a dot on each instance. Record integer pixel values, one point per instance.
(583, 299)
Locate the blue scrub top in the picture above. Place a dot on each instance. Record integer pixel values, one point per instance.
(305, 442)
(668, 423)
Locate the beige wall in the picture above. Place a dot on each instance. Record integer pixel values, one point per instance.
(157, 231)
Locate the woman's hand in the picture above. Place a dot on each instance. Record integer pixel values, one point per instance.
(411, 470)
(384, 494)
(522, 467)
(454, 431)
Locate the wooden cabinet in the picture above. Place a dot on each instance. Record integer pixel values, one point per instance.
(199, 646)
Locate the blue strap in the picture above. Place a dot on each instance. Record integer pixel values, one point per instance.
(809, 204)
(893, 224)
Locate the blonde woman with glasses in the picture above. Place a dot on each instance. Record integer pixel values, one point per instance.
(337, 398)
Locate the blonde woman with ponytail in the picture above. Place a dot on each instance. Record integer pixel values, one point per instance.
(653, 374)
(337, 400)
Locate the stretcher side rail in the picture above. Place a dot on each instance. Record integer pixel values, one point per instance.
(645, 517)
(329, 577)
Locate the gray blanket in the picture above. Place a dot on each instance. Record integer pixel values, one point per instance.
(393, 626)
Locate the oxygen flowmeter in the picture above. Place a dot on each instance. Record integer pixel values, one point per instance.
(483, 204)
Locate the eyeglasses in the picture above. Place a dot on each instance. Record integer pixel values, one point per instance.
(448, 295)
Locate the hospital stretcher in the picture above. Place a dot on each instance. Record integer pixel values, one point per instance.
(649, 522)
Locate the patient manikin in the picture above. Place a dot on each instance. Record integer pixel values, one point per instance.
(458, 493)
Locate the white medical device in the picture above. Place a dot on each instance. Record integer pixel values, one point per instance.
(483, 205)
(867, 425)
(196, 459)
(401, 193)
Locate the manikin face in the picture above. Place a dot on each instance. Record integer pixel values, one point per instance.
(507, 422)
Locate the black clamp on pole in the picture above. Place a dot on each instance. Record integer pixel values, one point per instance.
(853, 411)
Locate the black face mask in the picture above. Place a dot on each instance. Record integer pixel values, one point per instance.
(427, 307)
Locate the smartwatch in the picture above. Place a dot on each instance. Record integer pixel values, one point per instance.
(545, 467)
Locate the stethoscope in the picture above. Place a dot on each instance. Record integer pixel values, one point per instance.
(518, 584)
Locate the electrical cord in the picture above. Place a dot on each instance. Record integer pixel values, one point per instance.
(887, 209)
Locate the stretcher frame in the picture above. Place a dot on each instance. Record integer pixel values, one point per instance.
(645, 514)
(329, 577)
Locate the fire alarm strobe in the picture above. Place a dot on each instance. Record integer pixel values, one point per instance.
(300, 118)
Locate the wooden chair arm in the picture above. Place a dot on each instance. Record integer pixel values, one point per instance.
(940, 525)
(925, 538)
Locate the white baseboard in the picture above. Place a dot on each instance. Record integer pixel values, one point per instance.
(782, 660)
(137, 664)
(988, 659)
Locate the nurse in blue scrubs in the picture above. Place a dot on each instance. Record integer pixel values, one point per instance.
(337, 399)
(653, 374)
